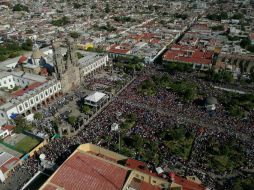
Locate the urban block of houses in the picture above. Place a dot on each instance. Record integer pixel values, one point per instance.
(144, 45)
(200, 58)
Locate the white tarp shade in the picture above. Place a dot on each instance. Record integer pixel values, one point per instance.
(95, 97)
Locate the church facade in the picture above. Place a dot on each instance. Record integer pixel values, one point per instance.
(66, 70)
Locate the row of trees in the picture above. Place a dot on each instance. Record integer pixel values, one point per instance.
(221, 76)
(173, 67)
(238, 105)
(186, 91)
(13, 49)
(224, 15)
(228, 155)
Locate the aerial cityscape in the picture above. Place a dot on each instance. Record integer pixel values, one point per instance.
(127, 95)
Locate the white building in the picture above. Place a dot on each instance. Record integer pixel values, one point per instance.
(35, 91)
(5, 131)
(91, 62)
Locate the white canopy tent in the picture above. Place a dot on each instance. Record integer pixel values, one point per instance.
(95, 98)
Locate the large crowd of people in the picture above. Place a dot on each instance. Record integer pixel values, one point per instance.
(155, 114)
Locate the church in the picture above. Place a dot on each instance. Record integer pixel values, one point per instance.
(66, 67)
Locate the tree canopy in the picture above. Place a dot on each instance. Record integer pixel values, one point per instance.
(61, 22)
(20, 7)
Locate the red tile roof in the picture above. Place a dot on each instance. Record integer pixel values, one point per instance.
(140, 166)
(103, 156)
(188, 54)
(24, 90)
(8, 127)
(9, 164)
(83, 171)
(187, 184)
(119, 49)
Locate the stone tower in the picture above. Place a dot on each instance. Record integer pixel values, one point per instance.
(67, 71)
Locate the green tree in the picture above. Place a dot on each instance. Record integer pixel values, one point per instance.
(38, 116)
(86, 109)
(27, 45)
(76, 5)
(237, 16)
(107, 9)
(61, 22)
(245, 42)
(21, 124)
(138, 141)
(72, 120)
(79, 55)
(20, 7)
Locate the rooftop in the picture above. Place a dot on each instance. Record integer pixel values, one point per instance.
(95, 97)
(189, 54)
(93, 167)
(27, 89)
(7, 161)
(85, 171)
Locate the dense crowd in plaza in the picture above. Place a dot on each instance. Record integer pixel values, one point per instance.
(155, 114)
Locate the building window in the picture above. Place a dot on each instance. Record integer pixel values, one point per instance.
(4, 82)
(9, 80)
(20, 108)
(2, 114)
(26, 105)
(154, 181)
(41, 96)
(137, 175)
(46, 93)
(31, 101)
(142, 177)
(11, 86)
(37, 98)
